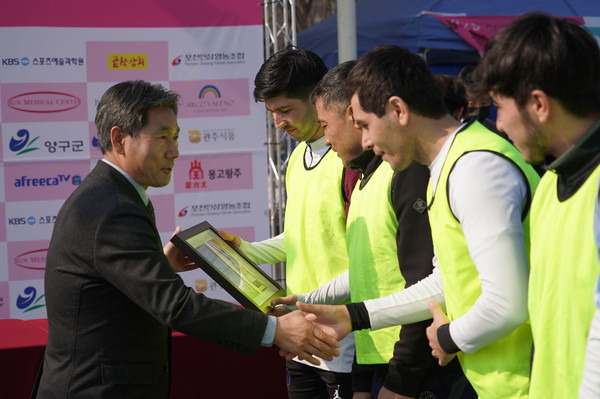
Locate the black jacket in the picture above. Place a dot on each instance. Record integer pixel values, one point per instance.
(111, 298)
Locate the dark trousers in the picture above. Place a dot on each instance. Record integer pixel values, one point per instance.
(439, 382)
(306, 382)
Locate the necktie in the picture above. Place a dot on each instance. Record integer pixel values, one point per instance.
(150, 210)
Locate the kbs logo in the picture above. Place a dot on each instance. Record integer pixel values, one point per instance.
(43, 61)
(29, 300)
(17, 221)
(21, 143)
(15, 61)
(31, 220)
(11, 61)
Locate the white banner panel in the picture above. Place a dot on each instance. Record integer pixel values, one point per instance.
(53, 71)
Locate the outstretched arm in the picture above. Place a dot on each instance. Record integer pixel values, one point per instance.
(295, 335)
(332, 319)
(270, 251)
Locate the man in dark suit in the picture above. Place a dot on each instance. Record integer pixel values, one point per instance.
(111, 290)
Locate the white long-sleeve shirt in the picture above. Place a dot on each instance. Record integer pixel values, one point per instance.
(590, 384)
(487, 195)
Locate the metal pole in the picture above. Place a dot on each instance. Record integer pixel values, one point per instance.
(280, 30)
(346, 20)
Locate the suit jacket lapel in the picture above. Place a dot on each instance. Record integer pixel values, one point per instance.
(105, 171)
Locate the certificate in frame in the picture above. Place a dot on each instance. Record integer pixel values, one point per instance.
(228, 266)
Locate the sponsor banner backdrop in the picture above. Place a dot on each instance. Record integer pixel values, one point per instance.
(36, 141)
(3, 259)
(27, 299)
(4, 301)
(27, 259)
(53, 71)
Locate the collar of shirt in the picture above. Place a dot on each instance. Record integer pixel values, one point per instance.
(435, 169)
(575, 166)
(315, 150)
(135, 184)
(577, 147)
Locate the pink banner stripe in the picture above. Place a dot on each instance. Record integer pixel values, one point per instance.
(478, 29)
(131, 13)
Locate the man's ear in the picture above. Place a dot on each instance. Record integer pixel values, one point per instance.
(348, 115)
(539, 105)
(117, 135)
(400, 109)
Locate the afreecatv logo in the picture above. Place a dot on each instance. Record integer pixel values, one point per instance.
(29, 300)
(25, 181)
(21, 143)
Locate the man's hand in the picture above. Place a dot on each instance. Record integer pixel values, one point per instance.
(231, 238)
(278, 305)
(179, 262)
(285, 300)
(332, 319)
(385, 393)
(297, 336)
(439, 319)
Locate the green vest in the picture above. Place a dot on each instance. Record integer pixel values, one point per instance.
(564, 269)
(374, 269)
(500, 369)
(315, 222)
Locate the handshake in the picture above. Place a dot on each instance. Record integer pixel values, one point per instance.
(311, 331)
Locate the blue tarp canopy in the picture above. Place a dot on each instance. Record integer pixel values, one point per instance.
(400, 22)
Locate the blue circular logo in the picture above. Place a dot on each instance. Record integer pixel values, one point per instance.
(17, 144)
(31, 220)
(24, 301)
(24, 61)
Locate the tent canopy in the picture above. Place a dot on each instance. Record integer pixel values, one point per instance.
(404, 23)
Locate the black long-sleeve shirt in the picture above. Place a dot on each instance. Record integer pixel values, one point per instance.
(412, 355)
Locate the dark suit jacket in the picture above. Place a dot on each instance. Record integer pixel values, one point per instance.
(111, 298)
